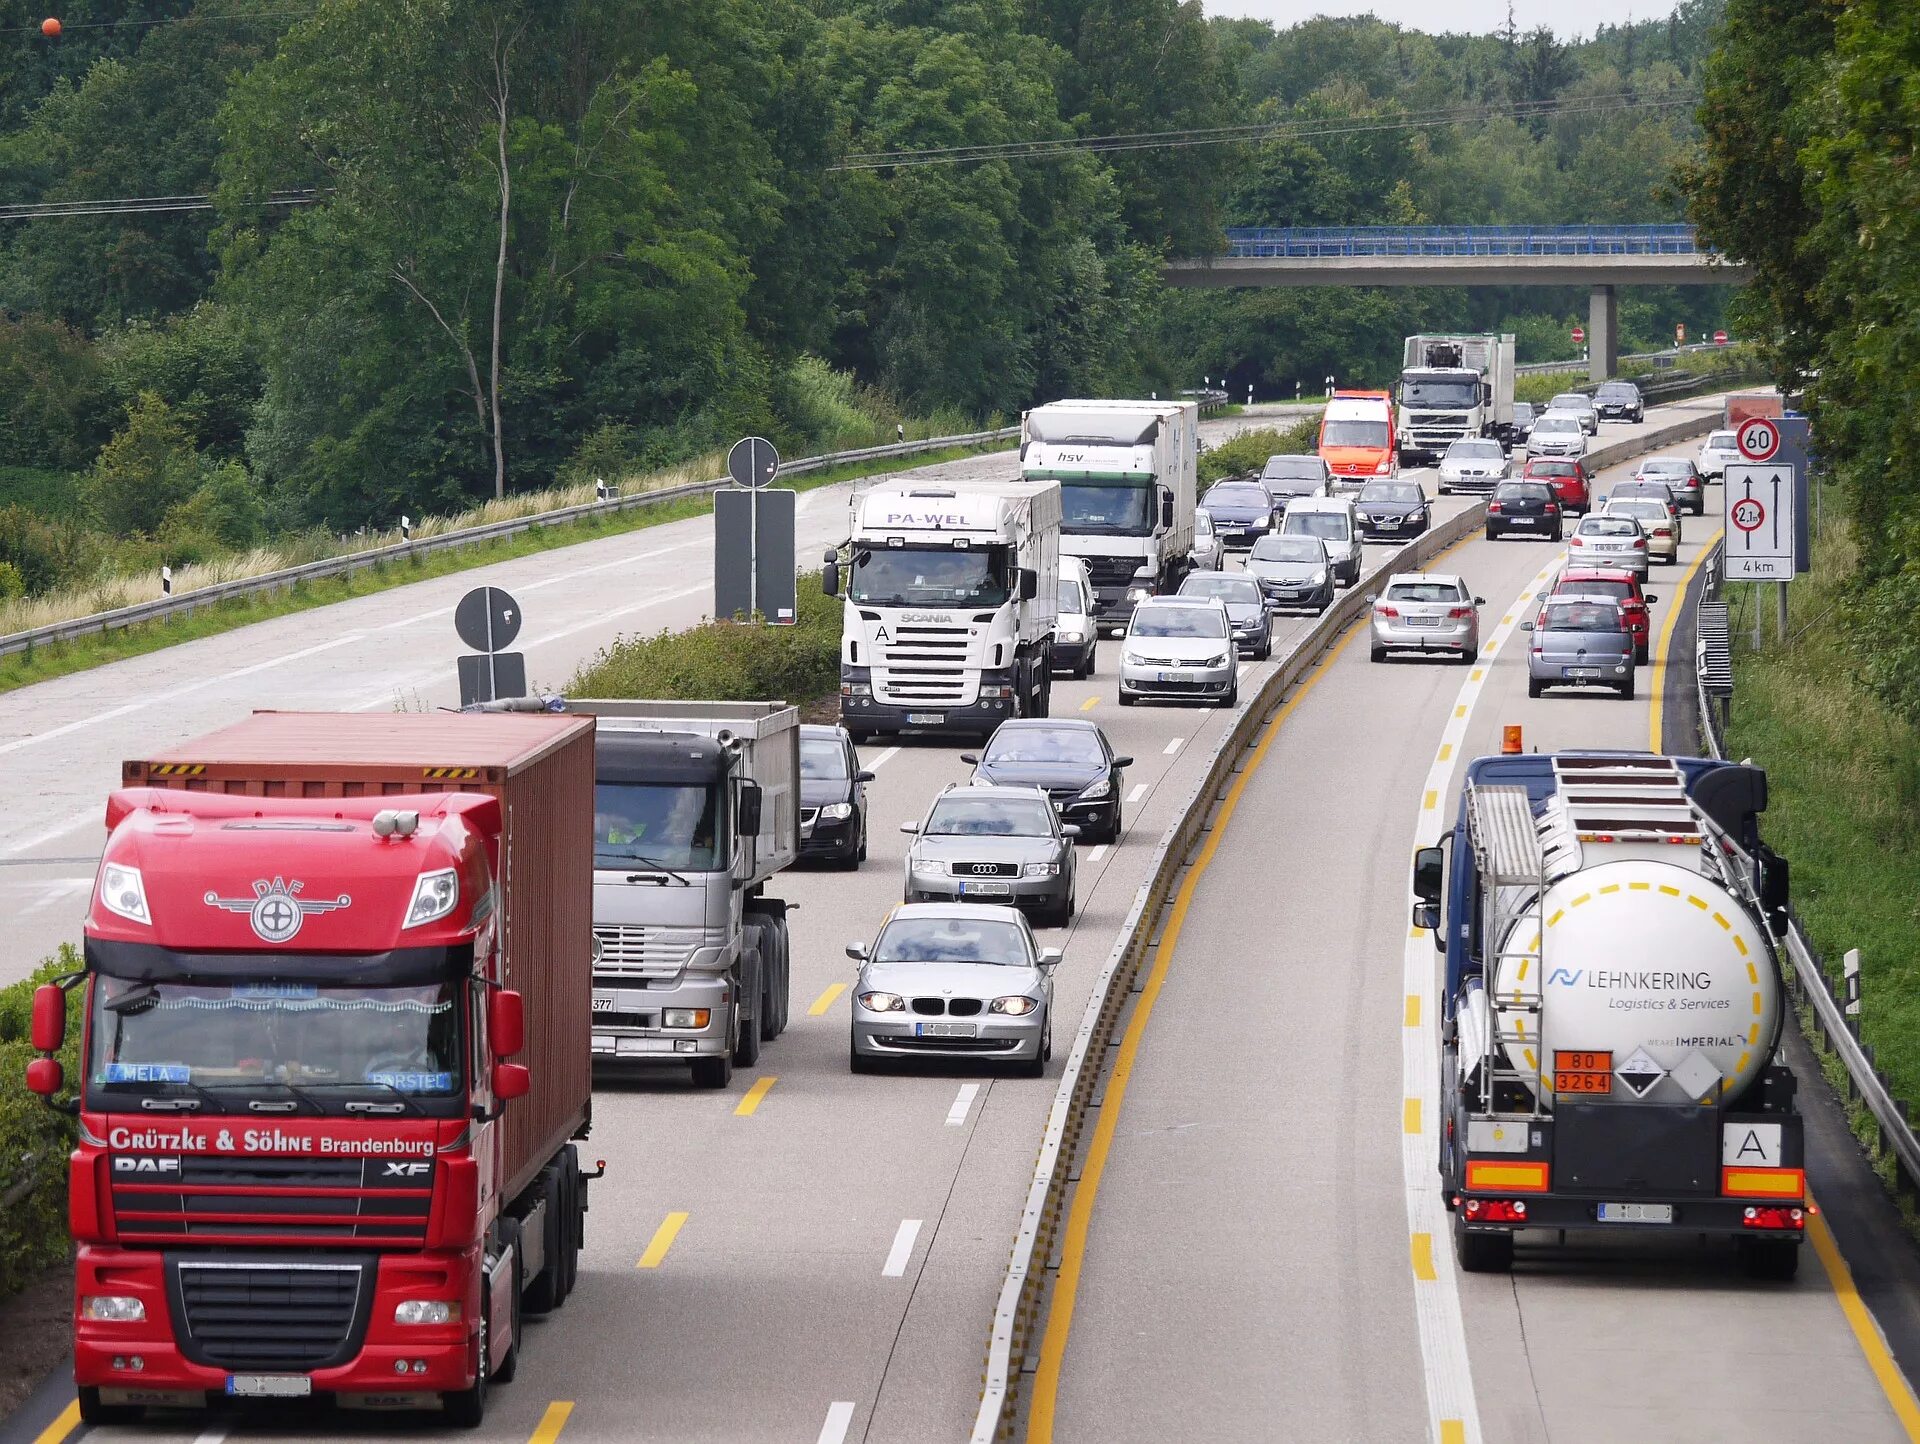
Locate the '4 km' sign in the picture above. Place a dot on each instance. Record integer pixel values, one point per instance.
(1760, 502)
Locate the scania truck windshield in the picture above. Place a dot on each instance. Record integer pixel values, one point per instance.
(922, 576)
(292, 1048)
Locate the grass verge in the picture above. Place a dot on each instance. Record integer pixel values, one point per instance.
(62, 658)
(1844, 801)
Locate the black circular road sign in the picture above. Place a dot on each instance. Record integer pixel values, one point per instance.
(487, 619)
(752, 462)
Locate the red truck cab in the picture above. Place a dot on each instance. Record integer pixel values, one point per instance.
(336, 1047)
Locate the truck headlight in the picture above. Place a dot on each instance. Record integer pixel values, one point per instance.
(684, 1017)
(883, 1002)
(113, 1309)
(122, 892)
(434, 896)
(1138, 594)
(1385, 466)
(1016, 1007)
(837, 811)
(426, 1311)
(856, 689)
(1072, 634)
(1040, 869)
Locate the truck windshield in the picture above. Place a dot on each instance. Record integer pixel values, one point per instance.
(1455, 393)
(1355, 433)
(928, 577)
(230, 1047)
(1106, 508)
(656, 825)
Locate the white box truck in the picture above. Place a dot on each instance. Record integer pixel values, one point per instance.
(1127, 474)
(951, 595)
(1450, 387)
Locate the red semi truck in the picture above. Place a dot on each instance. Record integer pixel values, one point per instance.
(337, 1050)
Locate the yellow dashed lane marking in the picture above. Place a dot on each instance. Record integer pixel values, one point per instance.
(1446, 751)
(825, 1000)
(1433, 800)
(750, 1104)
(1089, 704)
(552, 1422)
(663, 1238)
(1423, 1258)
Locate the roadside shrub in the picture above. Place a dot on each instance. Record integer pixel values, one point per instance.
(1248, 451)
(146, 470)
(34, 1139)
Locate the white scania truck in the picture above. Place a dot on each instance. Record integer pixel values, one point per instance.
(1128, 480)
(951, 596)
(1610, 1043)
(1450, 387)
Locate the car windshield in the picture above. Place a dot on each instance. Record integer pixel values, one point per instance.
(928, 576)
(657, 825)
(1288, 549)
(1614, 391)
(1424, 592)
(1401, 492)
(1552, 468)
(1294, 485)
(199, 1038)
(1457, 393)
(1179, 622)
(1722, 441)
(1569, 401)
(1475, 451)
(1636, 507)
(1556, 423)
(823, 758)
(1327, 525)
(1594, 587)
(1354, 433)
(1071, 602)
(1226, 588)
(1294, 468)
(1045, 744)
(1522, 491)
(958, 816)
(953, 940)
(1582, 617)
(1238, 494)
(1665, 468)
(1609, 526)
(1095, 508)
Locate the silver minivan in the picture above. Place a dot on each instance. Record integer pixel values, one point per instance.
(1332, 519)
(1580, 642)
(1076, 632)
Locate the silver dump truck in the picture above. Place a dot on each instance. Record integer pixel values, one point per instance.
(696, 808)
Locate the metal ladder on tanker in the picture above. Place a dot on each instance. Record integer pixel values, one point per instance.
(1513, 873)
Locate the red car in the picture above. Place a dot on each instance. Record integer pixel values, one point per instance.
(1620, 587)
(1568, 479)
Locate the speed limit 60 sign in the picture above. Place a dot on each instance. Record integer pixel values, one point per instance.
(1758, 438)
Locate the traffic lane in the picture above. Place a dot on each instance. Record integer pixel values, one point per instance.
(1260, 1146)
(1601, 1308)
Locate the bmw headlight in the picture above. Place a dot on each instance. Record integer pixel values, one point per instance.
(883, 1002)
(1095, 791)
(1015, 1007)
(837, 811)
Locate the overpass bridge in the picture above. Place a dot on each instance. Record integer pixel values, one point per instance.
(1598, 257)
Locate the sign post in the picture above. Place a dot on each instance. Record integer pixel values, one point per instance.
(753, 538)
(488, 620)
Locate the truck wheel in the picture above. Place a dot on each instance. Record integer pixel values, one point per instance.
(573, 1218)
(715, 1070)
(1772, 1259)
(1481, 1253)
(746, 1047)
(777, 968)
(92, 1411)
(467, 1408)
(510, 1237)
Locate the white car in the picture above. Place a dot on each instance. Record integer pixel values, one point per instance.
(1715, 452)
(1076, 632)
(1205, 551)
(1473, 464)
(1180, 648)
(1579, 404)
(1558, 433)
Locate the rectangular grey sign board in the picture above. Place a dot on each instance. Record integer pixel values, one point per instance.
(737, 535)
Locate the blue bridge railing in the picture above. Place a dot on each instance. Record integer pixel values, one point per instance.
(1311, 242)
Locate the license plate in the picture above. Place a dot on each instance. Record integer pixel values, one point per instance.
(269, 1386)
(1523, 520)
(926, 719)
(603, 1003)
(985, 889)
(1170, 676)
(1583, 671)
(1426, 621)
(946, 1030)
(1636, 1213)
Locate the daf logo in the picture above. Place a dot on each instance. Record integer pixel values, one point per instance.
(276, 908)
(129, 1164)
(406, 1170)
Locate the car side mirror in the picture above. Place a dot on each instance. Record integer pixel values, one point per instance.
(857, 951)
(1370, 598)
(909, 827)
(1479, 601)
(1050, 957)
(511, 1081)
(506, 1022)
(1429, 873)
(1070, 829)
(972, 758)
(863, 776)
(1526, 626)
(1650, 598)
(1122, 762)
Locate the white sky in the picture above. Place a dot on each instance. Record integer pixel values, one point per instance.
(1477, 17)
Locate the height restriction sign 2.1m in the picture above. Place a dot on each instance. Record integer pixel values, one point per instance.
(1760, 520)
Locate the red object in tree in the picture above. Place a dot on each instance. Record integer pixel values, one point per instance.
(1579, 335)
(50, 28)
(1719, 338)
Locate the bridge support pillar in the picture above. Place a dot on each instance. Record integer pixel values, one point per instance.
(1603, 334)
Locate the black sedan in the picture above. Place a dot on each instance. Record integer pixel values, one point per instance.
(1241, 510)
(1528, 507)
(833, 797)
(1390, 509)
(1069, 760)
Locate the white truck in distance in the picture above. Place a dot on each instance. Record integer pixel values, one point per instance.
(951, 597)
(1450, 387)
(1128, 477)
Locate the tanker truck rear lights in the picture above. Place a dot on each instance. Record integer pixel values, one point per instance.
(1487, 1176)
(1763, 1182)
(1773, 1217)
(1496, 1210)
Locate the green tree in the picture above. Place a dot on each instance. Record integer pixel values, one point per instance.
(54, 406)
(147, 469)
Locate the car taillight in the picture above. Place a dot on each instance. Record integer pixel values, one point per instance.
(1663, 531)
(1576, 541)
(1496, 1210)
(1493, 506)
(1383, 610)
(1459, 613)
(1640, 543)
(1552, 510)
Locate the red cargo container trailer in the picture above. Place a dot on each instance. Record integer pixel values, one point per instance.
(307, 1167)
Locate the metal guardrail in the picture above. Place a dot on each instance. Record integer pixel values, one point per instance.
(1812, 983)
(1020, 1311)
(186, 602)
(1314, 242)
(1671, 353)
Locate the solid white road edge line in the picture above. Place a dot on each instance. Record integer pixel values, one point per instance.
(962, 1103)
(1443, 1338)
(839, 1417)
(902, 1249)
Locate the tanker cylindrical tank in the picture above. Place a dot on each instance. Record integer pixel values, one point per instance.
(1653, 963)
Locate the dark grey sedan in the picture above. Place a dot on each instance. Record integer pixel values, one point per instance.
(1242, 511)
(1528, 507)
(995, 845)
(1067, 758)
(1389, 509)
(1248, 614)
(1294, 571)
(1580, 642)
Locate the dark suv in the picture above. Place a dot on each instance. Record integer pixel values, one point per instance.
(1619, 401)
(1524, 506)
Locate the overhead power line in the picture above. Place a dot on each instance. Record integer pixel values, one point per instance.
(140, 205)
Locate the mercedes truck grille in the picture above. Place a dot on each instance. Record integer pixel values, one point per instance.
(382, 1201)
(270, 1315)
(644, 952)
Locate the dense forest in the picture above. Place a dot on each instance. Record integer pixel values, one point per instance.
(421, 252)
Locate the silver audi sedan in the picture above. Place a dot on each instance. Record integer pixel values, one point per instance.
(996, 843)
(945, 980)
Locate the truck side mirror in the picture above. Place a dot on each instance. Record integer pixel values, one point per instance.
(49, 1018)
(510, 1081)
(1029, 584)
(830, 577)
(1166, 505)
(45, 1077)
(506, 1022)
(749, 809)
(1426, 915)
(1773, 889)
(1429, 873)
